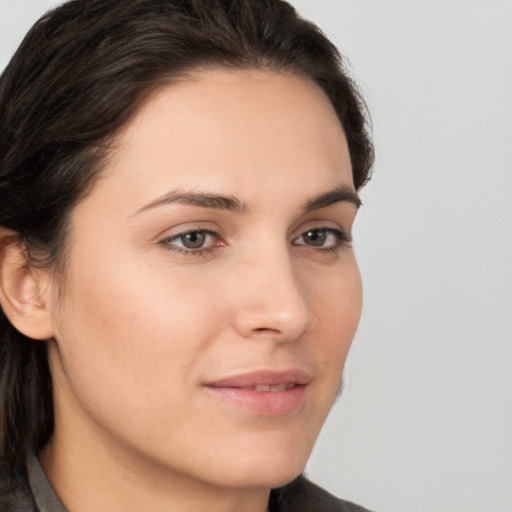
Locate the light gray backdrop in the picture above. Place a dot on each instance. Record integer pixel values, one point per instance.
(425, 422)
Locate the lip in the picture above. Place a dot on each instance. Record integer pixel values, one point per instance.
(241, 391)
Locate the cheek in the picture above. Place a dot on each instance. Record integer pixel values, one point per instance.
(337, 301)
(132, 341)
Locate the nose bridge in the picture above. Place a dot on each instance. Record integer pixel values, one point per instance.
(272, 300)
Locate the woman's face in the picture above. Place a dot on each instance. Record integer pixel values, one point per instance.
(211, 292)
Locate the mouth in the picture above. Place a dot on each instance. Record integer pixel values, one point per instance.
(264, 393)
(278, 387)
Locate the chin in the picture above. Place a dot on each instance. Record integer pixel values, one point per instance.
(266, 469)
(275, 479)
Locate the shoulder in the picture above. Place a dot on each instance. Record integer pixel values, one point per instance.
(303, 495)
(15, 492)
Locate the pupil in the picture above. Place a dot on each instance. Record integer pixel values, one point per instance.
(193, 240)
(316, 237)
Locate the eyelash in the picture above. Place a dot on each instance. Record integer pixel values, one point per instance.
(342, 240)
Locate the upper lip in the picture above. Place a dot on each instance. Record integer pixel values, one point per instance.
(263, 378)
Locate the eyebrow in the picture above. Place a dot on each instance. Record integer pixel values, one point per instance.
(200, 199)
(230, 203)
(338, 195)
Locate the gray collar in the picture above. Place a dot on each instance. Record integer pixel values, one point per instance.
(46, 498)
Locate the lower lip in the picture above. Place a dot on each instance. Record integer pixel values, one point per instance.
(264, 403)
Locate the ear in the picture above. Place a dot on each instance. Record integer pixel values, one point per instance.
(24, 290)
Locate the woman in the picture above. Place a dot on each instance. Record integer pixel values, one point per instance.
(178, 181)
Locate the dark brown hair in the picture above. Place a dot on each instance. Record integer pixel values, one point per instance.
(78, 77)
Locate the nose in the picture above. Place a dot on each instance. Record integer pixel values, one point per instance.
(271, 301)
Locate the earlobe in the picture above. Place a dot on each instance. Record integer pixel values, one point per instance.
(23, 290)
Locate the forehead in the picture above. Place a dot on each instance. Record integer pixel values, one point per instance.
(236, 131)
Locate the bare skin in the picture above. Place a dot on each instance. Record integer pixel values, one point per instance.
(213, 246)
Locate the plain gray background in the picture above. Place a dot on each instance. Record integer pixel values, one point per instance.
(425, 421)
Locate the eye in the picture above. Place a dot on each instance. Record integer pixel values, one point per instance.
(325, 238)
(191, 241)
